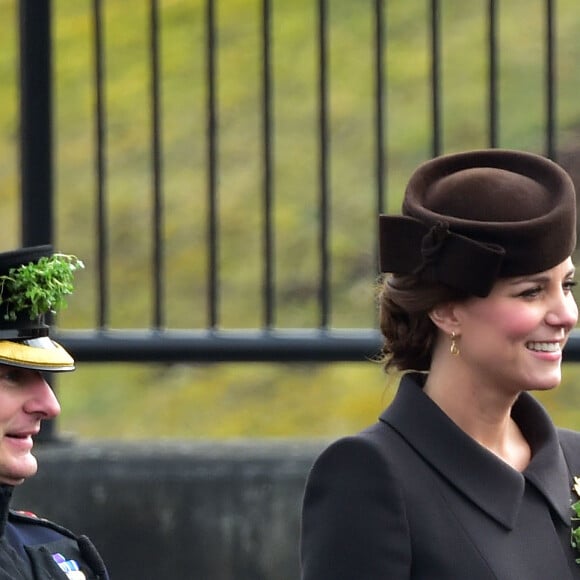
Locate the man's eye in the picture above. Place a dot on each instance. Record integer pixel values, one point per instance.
(12, 376)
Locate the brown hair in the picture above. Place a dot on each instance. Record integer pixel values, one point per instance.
(409, 334)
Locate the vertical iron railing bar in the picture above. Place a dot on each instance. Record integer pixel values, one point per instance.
(35, 123)
(212, 170)
(100, 146)
(36, 142)
(380, 161)
(550, 81)
(267, 161)
(435, 78)
(493, 75)
(157, 272)
(324, 205)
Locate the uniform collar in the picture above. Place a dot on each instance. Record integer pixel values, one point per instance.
(5, 497)
(485, 479)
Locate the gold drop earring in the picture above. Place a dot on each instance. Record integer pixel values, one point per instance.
(454, 348)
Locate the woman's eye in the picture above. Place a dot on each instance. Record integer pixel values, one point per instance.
(569, 285)
(531, 292)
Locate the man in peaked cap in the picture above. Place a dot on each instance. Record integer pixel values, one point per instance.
(33, 283)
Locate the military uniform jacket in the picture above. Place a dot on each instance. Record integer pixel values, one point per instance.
(414, 497)
(36, 549)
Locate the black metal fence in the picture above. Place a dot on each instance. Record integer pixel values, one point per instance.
(158, 342)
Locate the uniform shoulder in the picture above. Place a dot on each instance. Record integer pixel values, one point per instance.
(30, 518)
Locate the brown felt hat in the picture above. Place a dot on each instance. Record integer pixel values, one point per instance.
(470, 218)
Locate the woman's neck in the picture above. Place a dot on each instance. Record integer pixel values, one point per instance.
(483, 413)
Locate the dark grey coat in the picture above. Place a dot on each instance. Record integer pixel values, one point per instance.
(414, 497)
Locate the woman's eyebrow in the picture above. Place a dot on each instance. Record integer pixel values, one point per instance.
(540, 278)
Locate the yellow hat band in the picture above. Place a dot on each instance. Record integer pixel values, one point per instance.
(41, 354)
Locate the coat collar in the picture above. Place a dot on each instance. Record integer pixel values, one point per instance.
(471, 468)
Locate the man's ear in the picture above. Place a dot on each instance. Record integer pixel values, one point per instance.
(444, 317)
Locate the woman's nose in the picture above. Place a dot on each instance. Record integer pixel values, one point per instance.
(564, 311)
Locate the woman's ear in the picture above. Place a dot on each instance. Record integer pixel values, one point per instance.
(444, 317)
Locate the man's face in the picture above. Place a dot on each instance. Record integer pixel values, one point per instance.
(25, 400)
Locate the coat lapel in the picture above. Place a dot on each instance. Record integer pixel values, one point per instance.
(548, 470)
(471, 468)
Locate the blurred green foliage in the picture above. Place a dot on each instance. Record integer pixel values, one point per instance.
(231, 400)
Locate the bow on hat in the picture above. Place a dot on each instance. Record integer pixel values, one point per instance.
(434, 253)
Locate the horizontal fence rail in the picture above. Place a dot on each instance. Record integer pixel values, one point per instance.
(237, 346)
(171, 346)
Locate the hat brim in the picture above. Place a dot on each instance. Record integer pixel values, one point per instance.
(40, 354)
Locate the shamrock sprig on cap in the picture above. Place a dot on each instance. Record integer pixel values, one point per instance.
(38, 287)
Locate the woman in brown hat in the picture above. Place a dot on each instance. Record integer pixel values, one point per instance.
(464, 476)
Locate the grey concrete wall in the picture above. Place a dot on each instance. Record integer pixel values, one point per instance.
(179, 510)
